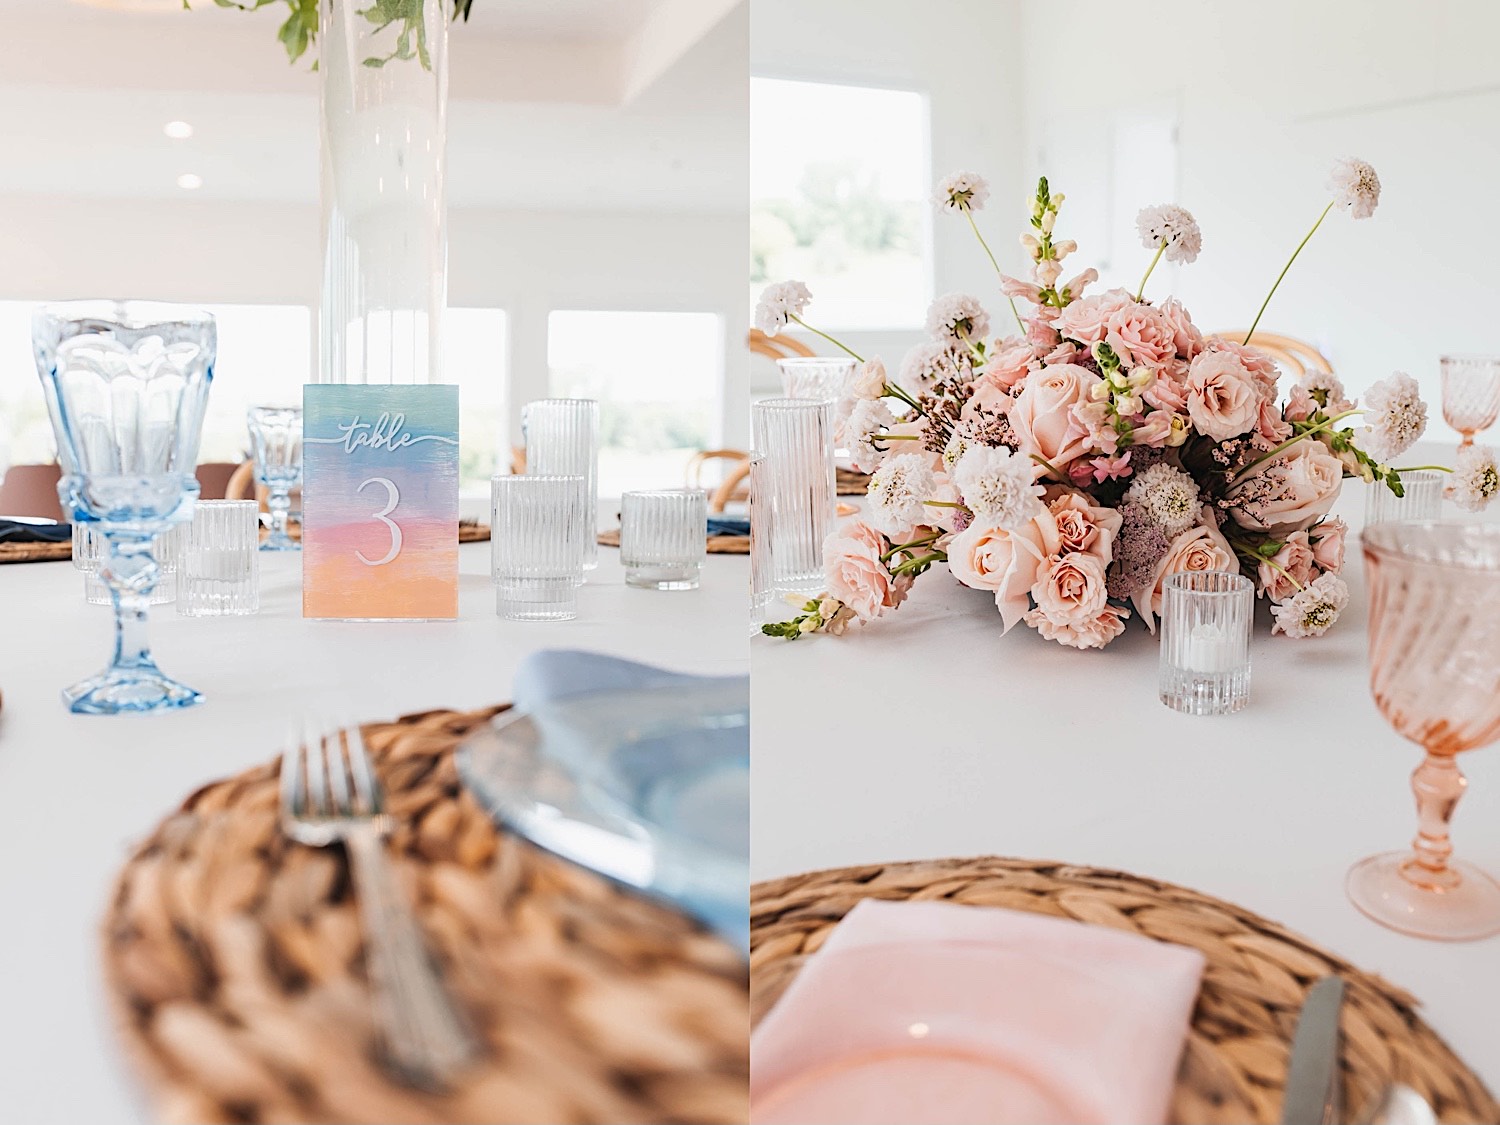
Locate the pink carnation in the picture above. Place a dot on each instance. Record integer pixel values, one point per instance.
(1186, 338)
(1087, 321)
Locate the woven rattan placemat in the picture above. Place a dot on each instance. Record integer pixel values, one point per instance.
(234, 960)
(1258, 973)
(35, 552)
(849, 483)
(717, 544)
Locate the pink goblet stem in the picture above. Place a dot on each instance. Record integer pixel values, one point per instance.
(1438, 784)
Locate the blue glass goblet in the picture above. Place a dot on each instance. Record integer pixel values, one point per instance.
(276, 447)
(126, 385)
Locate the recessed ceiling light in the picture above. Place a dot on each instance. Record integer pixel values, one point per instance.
(177, 130)
(190, 181)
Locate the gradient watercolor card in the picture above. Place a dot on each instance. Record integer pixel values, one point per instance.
(380, 501)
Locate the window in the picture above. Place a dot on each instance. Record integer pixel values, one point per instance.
(658, 377)
(838, 199)
(265, 356)
(476, 353)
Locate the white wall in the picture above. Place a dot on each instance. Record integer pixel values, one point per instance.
(1268, 95)
(959, 53)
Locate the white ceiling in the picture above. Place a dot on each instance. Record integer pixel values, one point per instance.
(556, 104)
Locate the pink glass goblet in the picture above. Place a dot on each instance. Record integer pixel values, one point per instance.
(1471, 394)
(1435, 675)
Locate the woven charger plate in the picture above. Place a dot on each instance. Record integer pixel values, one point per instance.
(850, 483)
(717, 544)
(35, 552)
(234, 960)
(1257, 976)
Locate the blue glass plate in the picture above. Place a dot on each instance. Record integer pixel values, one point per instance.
(650, 788)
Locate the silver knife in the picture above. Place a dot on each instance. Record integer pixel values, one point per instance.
(1313, 1091)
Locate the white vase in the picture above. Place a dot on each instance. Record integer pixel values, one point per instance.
(384, 103)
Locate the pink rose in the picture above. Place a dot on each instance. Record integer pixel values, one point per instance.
(870, 379)
(1300, 404)
(1140, 335)
(1087, 321)
(1008, 366)
(1070, 590)
(1289, 569)
(1065, 352)
(1200, 547)
(1260, 365)
(1095, 633)
(1042, 414)
(1186, 338)
(1223, 399)
(1328, 545)
(1290, 492)
(857, 576)
(1007, 562)
(1084, 526)
(1041, 334)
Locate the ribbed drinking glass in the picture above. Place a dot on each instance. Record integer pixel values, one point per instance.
(795, 437)
(538, 528)
(820, 378)
(762, 583)
(219, 575)
(1422, 499)
(1205, 641)
(126, 385)
(664, 537)
(276, 448)
(562, 439)
(166, 549)
(1471, 393)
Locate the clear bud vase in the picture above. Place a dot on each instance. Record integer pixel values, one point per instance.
(383, 89)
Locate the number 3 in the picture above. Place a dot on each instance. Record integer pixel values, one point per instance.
(393, 497)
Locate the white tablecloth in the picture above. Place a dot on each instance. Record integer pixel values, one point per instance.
(76, 791)
(929, 734)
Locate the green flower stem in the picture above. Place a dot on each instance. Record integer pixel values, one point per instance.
(1286, 267)
(898, 437)
(942, 504)
(920, 561)
(1050, 467)
(968, 343)
(914, 545)
(819, 332)
(1318, 429)
(1015, 312)
(893, 391)
(1160, 250)
(1421, 469)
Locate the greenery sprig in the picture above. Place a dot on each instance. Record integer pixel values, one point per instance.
(300, 29)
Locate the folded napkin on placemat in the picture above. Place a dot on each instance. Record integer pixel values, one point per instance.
(24, 531)
(934, 1012)
(719, 525)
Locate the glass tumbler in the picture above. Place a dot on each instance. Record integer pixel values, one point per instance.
(1205, 641)
(1422, 499)
(562, 439)
(126, 385)
(820, 378)
(538, 527)
(166, 549)
(276, 449)
(220, 569)
(1471, 394)
(762, 586)
(664, 538)
(795, 437)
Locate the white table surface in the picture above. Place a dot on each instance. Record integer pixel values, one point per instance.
(929, 734)
(77, 791)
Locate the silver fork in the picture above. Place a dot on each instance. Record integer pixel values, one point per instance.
(330, 795)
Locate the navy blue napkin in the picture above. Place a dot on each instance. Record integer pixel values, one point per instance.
(720, 525)
(16, 531)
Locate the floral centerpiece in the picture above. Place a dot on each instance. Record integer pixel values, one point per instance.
(1069, 468)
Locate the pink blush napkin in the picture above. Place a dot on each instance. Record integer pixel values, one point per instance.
(932, 1012)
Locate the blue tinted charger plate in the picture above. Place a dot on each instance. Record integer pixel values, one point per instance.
(650, 788)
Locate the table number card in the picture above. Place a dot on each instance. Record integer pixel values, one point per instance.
(380, 501)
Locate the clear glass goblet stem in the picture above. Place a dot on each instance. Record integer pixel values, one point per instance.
(279, 503)
(132, 682)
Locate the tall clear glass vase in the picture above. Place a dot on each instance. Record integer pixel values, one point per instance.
(383, 81)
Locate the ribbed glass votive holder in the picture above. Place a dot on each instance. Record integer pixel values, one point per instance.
(664, 537)
(538, 528)
(821, 378)
(795, 436)
(166, 549)
(1423, 499)
(562, 439)
(219, 572)
(1205, 641)
(762, 583)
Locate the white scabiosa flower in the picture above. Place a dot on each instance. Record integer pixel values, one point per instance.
(1395, 417)
(998, 486)
(962, 191)
(934, 361)
(779, 303)
(1312, 610)
(1327, 389)
(1168, 495)
(898, 491)
(1355, 186)
(955, 449)
(957, 316)
(1475, 479)
(860, 431)
(1173, 225)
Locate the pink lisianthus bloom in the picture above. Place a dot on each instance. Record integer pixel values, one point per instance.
(1084, 526)
(1042, 336)
(1223, 397)
(1328, 544)
(1042, 413)
(985, 557)
(1065, 352)
(1095, 633)
(1272, 428)
(1289, 569)
(1070, 589)
(1200, 547)
(1255, 361)
(1300, 405)
(1087, 321)
(1168, 391)
(1186, 339)
(856, 574)
(1140, 335)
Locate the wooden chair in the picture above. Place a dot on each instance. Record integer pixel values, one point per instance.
(735, 487)
(1295, 356)
(777, 347)
(214, 477)
(735, 473)
(31, 490)
(518, 460)
(242, 485)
